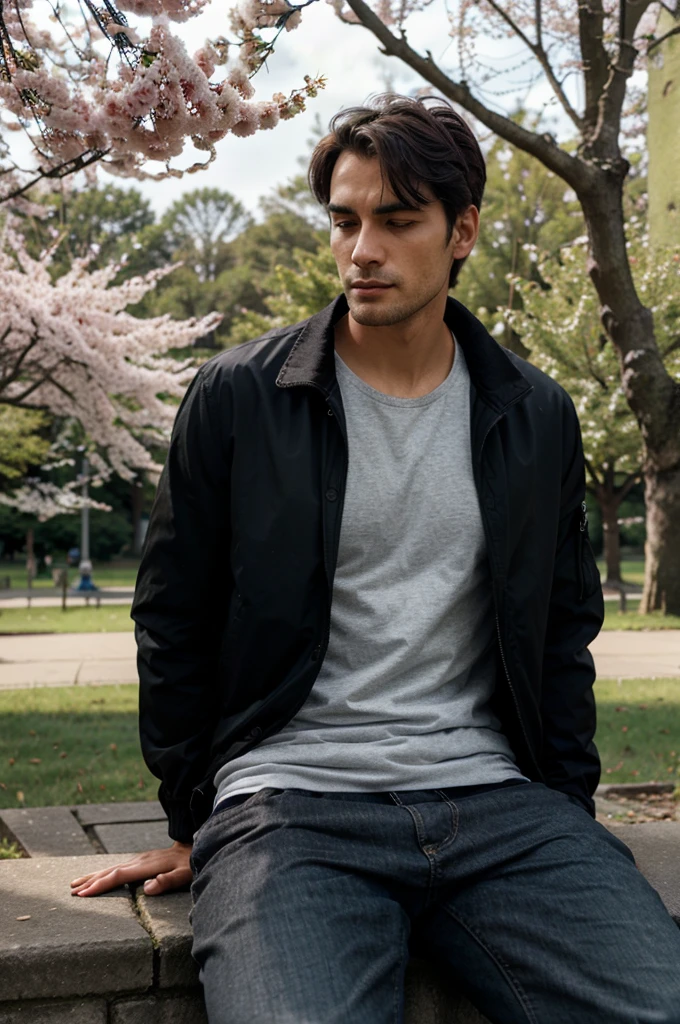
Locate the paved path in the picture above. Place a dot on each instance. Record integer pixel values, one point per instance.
(629, 654)
(63, 659)
(48, 597)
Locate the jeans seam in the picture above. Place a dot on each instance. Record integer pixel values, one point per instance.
(500, 963)
(454, 819)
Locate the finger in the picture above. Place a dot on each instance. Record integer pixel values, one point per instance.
(167, 880)
(103, 881)
(84, 878)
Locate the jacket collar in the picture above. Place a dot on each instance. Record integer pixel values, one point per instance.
(492, 372)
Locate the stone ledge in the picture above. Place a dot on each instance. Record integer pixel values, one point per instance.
(74, 1011)
(47, 831)
(655, 846)
(166, 918)
(67, 947)
(135, 955)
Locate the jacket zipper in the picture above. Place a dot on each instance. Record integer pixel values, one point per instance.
(498, 623)
(583, 529)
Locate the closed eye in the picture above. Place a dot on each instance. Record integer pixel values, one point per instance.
(390, 223)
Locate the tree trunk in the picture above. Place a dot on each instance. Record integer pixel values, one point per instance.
(662, 549)
(653, 395)
(663, 138)
(612, 540)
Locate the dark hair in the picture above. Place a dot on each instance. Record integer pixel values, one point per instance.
(416, 145)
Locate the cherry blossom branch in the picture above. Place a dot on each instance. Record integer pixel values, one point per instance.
(69, 347)
(160, 98)
(541, 56)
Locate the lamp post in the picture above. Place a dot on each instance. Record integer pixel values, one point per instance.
(85, 567)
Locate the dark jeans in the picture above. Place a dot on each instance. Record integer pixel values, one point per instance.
(307, 907)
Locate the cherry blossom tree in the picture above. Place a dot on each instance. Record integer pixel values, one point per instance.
(586, 53)
(70, 349)
(79, 108)
(560, 325)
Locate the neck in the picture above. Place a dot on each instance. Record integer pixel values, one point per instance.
(408, 359)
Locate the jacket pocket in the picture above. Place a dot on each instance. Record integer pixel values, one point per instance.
(587, 573)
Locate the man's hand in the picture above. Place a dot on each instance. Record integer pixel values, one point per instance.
(160, 870)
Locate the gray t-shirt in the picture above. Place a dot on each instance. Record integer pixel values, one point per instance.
(402, 697)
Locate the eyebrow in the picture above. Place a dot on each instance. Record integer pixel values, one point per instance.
(377, 210)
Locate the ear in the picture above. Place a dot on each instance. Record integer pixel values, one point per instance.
(465, 232)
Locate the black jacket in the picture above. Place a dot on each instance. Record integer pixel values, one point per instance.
(232, 605)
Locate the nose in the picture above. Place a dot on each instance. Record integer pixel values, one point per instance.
(367, 249)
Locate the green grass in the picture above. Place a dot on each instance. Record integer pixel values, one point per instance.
(638, 729)
(71, 745)
(95, 727)
(632, 570)
(614, 619)
(105, 574)
(112, 618)
(108, 618)
(9, 851)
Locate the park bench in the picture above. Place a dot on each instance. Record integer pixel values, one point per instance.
(124, 958)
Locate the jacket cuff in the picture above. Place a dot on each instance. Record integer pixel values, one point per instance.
(181, 825)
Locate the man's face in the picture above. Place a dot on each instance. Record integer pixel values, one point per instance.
(399, 255)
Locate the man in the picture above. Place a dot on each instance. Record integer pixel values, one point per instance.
(362, 617)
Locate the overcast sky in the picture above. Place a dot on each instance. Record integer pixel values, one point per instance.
(349, 58)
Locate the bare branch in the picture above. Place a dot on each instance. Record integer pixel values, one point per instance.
(68, 167)
(46, 378)
(595, 56)
(542, 58)
(13, 375)
(571, 169)
(625, 488)
(605, 141)
(657, 42)
(598, 484)
(672, 347)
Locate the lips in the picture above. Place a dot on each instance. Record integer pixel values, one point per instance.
(360, 287)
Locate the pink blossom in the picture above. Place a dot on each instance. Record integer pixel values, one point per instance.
(238, 78)
(90, 360)
(247, 122)
(146, 104)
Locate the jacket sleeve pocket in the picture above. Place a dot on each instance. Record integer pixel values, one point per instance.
(586, 568)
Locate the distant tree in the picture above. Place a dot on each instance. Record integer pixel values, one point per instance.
(94, 223)
(24, 442)
(525, 205)
(199, 227)
(297, 292)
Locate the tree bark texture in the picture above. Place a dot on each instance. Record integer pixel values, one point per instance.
(611, 538)
(653, 395)
(662, 548)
